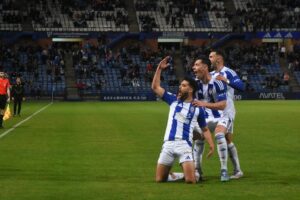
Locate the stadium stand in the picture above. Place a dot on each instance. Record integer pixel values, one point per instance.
(88, 16)
(293, 60)
(40, 69)
(267, 15)
(106, 68)
(187, 15)
(161, 15)
(10, 17)
(129, 70)
(258, 66)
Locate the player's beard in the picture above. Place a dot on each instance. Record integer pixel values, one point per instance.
(213, 66)
(183, 96)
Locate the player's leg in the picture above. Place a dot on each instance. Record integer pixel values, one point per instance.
(233, 155)
(1, 117)
(198, 150)
(222, 148)
(15, 106)
(19, 106)
(165, 162)
(162, 172)
(2, 109)
(189, 171)
(175, 176)
(184, 152)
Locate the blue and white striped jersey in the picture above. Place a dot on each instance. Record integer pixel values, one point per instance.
(213, 91)
(181, 116)
(235, 83)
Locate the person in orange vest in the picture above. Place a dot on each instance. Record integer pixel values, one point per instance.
(4, 95)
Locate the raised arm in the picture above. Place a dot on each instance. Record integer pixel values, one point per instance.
(233, 80)
(157, 89)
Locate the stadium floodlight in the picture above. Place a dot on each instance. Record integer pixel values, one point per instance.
(67, 39)
(170, 40)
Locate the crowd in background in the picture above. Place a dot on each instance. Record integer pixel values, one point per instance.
(28, 63)
(249, 61)
(89, 62)
(265, 15)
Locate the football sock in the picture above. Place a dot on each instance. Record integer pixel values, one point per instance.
(222, 149)
(233, 154)
(175, 176)
(197, 153)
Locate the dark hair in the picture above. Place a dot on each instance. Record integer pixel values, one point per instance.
(204, 60)
(192, 83)
(219, 53)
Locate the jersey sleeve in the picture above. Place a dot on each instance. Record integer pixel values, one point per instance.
(169, 98)
(7, 83)
(201, 118)
(235, 81)
(221, 89)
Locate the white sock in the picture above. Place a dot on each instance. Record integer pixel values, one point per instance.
(233, 154)
(222, 149)
(197, 153)
(175, 176)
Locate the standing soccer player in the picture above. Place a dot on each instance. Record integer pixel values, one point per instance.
(230, 77)
(211, 95)
(179, 131)
(4, 95)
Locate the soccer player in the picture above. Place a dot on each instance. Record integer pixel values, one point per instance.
(230, 77)
(212, 96)
(179, 131)
(4, 95)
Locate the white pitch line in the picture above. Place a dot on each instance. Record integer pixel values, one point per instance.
(21, 122)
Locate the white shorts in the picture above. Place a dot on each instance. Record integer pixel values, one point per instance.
(175, 149)
(213, 122)
(227, 122)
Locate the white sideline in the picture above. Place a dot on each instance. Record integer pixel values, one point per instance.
(21, 122)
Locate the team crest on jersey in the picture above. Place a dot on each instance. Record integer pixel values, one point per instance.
(192, 109)
(190, 113)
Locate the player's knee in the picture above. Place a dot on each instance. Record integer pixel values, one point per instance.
(228, 137)
(190, 180)
(159, 179)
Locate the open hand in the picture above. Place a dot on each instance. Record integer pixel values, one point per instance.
(221, 78)
(198, 103)
(210, 153)
(164, 63)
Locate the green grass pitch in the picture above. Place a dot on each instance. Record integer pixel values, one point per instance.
(97, 150)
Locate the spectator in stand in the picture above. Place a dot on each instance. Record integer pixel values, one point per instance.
(286, 78)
